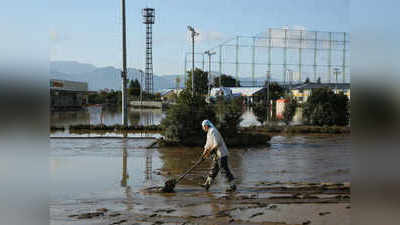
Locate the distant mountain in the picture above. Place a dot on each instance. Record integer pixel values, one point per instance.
(71, 67)
(101, 77)
(172, 79)
(110, 77)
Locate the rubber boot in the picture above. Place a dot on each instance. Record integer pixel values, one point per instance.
(208, 183)
(232, 187)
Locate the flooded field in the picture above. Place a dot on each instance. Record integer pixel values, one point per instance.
(88, 174)
(136, 116)
(101, 179)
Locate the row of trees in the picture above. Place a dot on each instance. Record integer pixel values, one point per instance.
(182, 123)
(323, 107)
(106, 97)
(201, 81)
(114, 97)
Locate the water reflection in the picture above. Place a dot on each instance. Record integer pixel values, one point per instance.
(137, 116)
(149, 167)
(125, 177)
(106, 115)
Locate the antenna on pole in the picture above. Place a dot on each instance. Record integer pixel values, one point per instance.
(209, 53)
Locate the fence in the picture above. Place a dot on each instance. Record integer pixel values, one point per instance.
(286, 55)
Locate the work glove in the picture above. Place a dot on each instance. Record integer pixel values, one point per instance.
(206, 154)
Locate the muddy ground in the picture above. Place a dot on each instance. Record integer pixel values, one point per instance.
(106, 181)
(264, 203)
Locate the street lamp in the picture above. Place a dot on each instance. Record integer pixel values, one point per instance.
(209, 53)
(193, 34)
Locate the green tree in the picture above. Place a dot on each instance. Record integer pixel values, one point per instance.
(200, 81)
(260, 110)
(227, 81)
(229, 115)
(276, 92)
(182, 123)
(290, 110)
(104, 97)
(134, 88)
(307, 81)
(324, 107)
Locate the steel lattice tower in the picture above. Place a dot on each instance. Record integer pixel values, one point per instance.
(148, 19)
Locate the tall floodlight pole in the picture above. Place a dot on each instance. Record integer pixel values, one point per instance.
(124, 70)
(148, 19)
(193, 34)
(209, 53)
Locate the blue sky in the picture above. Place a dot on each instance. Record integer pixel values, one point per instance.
(90, 31)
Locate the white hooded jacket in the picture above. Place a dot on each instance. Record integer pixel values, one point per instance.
(215, 141)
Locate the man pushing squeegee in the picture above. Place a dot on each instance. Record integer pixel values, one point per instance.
(216, 149)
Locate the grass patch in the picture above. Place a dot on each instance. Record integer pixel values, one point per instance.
(238, 141)
(299, 129)
(56, 128)
(317, 130)
(82, 128)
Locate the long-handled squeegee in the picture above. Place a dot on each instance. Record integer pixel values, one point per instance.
(170, 184)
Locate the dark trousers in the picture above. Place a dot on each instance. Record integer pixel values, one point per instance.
(218, 164)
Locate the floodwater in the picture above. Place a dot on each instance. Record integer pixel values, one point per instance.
(91, 173)
(112, 115)
(88, 173)
(106, 115)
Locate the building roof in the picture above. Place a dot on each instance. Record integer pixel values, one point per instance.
(225, 90)
(246, 91)
(66, 85)
(168, 91)
(341, 86)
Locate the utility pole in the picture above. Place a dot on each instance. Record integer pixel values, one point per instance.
(193, 34)
(141, 87)
(209, 53)
(268, 97)
(124, 70)
(336, 71)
